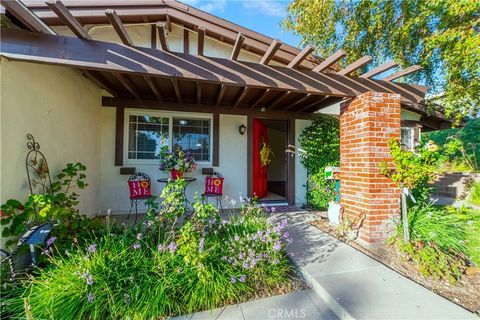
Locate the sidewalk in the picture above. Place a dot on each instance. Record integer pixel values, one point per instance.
(356, 286)
(298, 305)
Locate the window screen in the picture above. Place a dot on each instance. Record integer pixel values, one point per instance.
(146, 135)
(193, 135)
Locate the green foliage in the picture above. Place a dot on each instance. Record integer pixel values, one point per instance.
(461, 146)
(173, 199)
(439, 35)
(150, 272)
(475, 193)
(320, 144)
(412, 170)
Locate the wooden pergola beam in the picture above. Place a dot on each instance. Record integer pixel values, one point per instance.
(127, 84)
(119, 27)
(299, 101)
(237, 46)
(403, 73)
(176, 87)
(279, 99)
(240, 97)
(382, 68)
(162, 36)
(330, 61)
(301, 56)
(355, 65)
(100, 81)
(201, 41)
(221, 91)
(153, 87)
(26, 16)
(260, 98)
(270, 53)
(70, 21)
(199, 93)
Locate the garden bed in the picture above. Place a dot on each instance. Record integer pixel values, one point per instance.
(465, 292)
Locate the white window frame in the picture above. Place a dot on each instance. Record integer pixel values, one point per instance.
(412, 138)
(165, 114)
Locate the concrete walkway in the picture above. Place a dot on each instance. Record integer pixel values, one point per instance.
(298, 305)
(356, 286)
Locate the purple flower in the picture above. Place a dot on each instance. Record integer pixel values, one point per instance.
(50, 241)
(160, 247)
(90, 297)
(274, 209)
(136, 246)
(242, 278)
(224, 222)
(237, 238)
(277, 246)
(92, 248)
(139, 236)
(201, 244)
(172, 247)
(246, 266)
(240, 256)
(233, 279)
(127, 298)
(89, 280)
(285, 235)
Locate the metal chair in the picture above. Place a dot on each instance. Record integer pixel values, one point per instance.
(214, 189)
(139, 185)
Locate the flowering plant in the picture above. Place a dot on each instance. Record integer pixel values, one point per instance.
(179, 160)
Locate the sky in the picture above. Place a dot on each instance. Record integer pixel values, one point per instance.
(263, 16)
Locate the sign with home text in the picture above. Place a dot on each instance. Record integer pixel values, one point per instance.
(139, 189)
(213, 185)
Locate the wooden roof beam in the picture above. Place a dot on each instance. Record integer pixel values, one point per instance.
(403, 73)
(280, 98)
(176, 88)
(384, 67)
(355, 65)
(270, 53)
(201, 40)
(330, 61)
(26, 16)
(301, 56)
(299, 101)
(260, 98)
(153, 87)
(242, 95)
(100, 81)
(237, 46)
(199, 93)
(221, 91)
(67, 17)
(127, 84)
(119, 27)
(162, 36)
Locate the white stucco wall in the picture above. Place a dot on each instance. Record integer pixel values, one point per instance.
(300, 171)
(62, 110)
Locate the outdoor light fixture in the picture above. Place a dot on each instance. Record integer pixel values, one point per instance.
(263, 109)
(242, 129)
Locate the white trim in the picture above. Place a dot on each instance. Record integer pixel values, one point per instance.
(166, 114)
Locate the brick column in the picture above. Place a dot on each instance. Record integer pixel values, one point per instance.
(366, 125)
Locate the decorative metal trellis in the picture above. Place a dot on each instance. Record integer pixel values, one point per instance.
(36, 164)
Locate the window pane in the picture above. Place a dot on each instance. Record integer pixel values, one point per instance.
(406, 138)
(146, 135)
(192, 135)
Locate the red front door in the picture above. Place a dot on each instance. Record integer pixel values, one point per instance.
(259, 172)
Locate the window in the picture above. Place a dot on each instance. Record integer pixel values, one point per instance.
(147, 132)
(406, 138)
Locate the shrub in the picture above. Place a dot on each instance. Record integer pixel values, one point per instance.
(155, 270)
(320, 147)
(475, 193)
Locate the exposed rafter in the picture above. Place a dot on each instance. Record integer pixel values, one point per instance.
(67, 17)
(127, 84)
(284, 95)
(301, 56)
(199, 93)
(355, 65)
(220, 94)
(298, 102)
(270, 53)
(100, 81)
(119, 27)
(240, 97)
(237, 46)
(169, 23)
(403, 72)
(162, 36)
(152, 85)
(321, 104)
(382, 68)
(330, 61)
(312, 104)
(260, 98)
(201, 40)
(26, 16)
(176, 87)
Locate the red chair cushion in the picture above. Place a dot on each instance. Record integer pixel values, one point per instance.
(139, 189)
(213, 186)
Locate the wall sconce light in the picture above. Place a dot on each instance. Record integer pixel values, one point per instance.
(242, 129)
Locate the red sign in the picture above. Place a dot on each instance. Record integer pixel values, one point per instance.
(214, 185)
(139, 189)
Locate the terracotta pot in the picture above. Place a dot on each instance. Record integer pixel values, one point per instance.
(176, 174)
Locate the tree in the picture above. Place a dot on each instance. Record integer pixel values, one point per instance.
(442, 36)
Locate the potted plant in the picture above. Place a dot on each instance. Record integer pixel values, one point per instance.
(176, 162)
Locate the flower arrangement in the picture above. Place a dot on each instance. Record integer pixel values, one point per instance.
(179, 161)
(266, 155)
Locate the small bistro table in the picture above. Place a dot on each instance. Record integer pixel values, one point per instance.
(188, 180)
